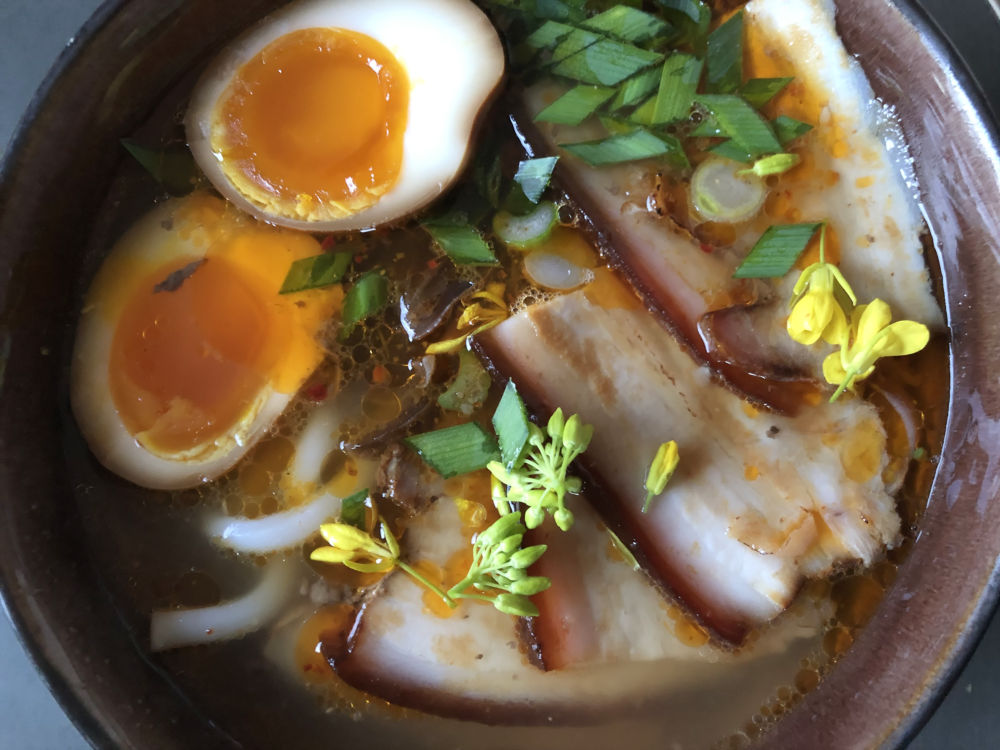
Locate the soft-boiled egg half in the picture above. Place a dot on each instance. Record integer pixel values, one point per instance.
(345, 114)
(186, 352)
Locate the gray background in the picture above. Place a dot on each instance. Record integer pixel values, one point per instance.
(34, 32)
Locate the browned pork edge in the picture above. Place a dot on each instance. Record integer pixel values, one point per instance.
(345, 653)
(734, 366)
(601, 495)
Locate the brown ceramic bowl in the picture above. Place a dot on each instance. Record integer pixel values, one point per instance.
(54, 542)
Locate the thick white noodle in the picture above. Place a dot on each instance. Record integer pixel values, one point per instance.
(278, 531)
(190, 627)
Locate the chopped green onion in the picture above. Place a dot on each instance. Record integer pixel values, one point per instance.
(575, 41)
(173, 167)
(524, 231)
(369, 294)
(616, 125)
(510, 421)
(788, 129)
(776, 251)
(742, 123)
(635, 89)
(605, 63)
(315, 272)
(678, 85)
(628, 24)
(557, 10)
(692, 19)
(576, 105)
(774, 164)
(725, 56)
(463, 244)
(638, 144)
(533, 176)
(548, 35)
(469, 388)
(455, 450)
(354, 509)
(708, 128)
(730, 150)
(759, 91)
(722, 192)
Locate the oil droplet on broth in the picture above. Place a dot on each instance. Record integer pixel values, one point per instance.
(339, 473)
(329, 623)
(380, 404)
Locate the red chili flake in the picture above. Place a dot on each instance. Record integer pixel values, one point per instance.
(358, 258)
(316, 391)
(307, 668)
(706, 248)
(380, 375)
(328, 242)
(433, 263)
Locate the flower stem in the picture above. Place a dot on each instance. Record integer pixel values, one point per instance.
(420, 578)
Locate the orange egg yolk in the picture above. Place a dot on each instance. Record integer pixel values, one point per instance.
(316, 119)
(187, 364)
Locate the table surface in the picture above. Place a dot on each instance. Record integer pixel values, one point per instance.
(32, 34)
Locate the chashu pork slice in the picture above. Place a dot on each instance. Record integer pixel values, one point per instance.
(610, 644)
(854, 174)
(760, 501)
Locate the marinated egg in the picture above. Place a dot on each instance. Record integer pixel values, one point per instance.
(337, 114)
(186, 353)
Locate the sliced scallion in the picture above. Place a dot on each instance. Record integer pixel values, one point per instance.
(627, 24)
(633, 146)
(469, 388)
(462, 243)
(720, 191)
(606, 62)
(576, 105)
(759, 91)
(548, 35)
(776, 251)
(742, 123)
(315, 272)
(368, 295)
(572, 43)
(788, 128)
(678, 84)
(172, 167)
(354, 509)
(635, 89)
(725, 56)
(510, 421)
(455, 450)
(524, 231)
(691, 18)
(729, 149)
(708, 128)
(533, 176)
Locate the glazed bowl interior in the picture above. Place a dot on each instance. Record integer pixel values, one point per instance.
(136, 59)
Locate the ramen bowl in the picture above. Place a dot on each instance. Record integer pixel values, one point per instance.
(136, 59)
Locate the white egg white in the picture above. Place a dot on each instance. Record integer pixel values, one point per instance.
(154, 240)
(454, 61)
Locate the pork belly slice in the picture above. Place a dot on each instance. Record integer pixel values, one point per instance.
(472, 664)
(598, 609)
(759, 503)
(847, 176)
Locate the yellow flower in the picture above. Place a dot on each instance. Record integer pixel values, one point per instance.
(479, 316)
(660, 470)
(871, 335)
(816, 313)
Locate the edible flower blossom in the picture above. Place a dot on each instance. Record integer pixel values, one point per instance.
(660, 470)
(870, 336)
(817, 312)
(488, 310)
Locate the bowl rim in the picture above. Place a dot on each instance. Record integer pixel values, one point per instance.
(93, 727)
